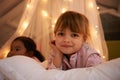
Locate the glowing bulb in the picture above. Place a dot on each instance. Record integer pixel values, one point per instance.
(54, 21)
(25, 24)
(98, 51)
(98, 8)
(91, 4)
(96, 26)
(6, 52)
(70, 0)
(53, 26)
(63, 10)
(45, 1)
(103, 57)
(28, 5)
(44, 13)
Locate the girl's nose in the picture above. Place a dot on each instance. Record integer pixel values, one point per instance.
(66, 39)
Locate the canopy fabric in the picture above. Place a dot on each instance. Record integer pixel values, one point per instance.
(40, 16)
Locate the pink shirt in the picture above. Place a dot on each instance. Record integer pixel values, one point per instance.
(85, 57)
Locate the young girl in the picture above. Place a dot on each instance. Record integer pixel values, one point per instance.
(70, 47)
(25, 46)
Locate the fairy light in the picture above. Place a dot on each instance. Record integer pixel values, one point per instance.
(63, 10)
(98, 50)
(98, 8)
(25, 24)
(6, 51)
(103, 57)
(28, 5)
(53, 25)
(91, 5)
(96, 26)
(70, 0)
(45, 1)
(44, 13)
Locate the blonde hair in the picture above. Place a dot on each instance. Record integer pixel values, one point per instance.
(75, 21)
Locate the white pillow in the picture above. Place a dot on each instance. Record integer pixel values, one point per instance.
(24, 68)
(107, 71)
(20, 68)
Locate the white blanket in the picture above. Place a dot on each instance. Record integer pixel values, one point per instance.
(24, 68)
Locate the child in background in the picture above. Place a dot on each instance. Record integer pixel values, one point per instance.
(25, 46)
(70, 47)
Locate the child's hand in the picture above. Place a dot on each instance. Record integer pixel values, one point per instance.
(56, 51)
(57, 54)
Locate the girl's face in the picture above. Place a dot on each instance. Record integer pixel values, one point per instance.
(17, 48)
(68, 42)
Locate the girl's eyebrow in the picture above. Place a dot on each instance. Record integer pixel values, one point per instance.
(76, 32)
(17, 46)
(59, 30)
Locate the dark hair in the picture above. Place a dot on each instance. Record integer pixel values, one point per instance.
(30, 47)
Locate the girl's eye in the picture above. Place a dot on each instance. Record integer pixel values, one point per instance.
(75, 35)
(17, 49)
(60, 34)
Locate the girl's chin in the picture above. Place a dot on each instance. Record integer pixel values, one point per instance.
(66, 52)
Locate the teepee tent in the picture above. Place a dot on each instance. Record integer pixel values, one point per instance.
(39, 18)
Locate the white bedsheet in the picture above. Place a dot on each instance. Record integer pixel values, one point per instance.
(24, 68)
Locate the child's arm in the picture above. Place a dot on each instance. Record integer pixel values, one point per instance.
(57, 55)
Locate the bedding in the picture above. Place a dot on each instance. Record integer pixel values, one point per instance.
(25, 68)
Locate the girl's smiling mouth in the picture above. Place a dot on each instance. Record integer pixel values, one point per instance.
(66, 46)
